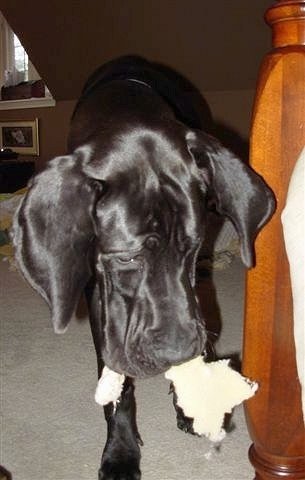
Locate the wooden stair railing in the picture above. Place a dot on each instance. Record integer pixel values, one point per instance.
(274, 415)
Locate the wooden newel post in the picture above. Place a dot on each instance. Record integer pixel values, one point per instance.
(274, 415)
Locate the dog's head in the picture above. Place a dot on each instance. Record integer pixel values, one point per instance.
(133, 217)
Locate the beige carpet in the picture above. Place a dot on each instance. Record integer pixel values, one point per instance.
(51, 428)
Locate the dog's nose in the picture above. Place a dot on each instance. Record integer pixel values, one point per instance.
(179, 345)
(168, 357)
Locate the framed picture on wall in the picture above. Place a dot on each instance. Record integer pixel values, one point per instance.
(20, 136)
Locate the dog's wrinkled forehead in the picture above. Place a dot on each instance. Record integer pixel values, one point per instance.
(124, 220)
(148, 183)
(143, 149)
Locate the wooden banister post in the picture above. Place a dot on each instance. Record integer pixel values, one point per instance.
(274, 415)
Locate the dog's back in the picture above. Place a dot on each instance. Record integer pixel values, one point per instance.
(122, 86)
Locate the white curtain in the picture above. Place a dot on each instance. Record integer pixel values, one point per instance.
(7, 53)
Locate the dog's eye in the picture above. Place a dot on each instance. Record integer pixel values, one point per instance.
(126, 259)
(152, 243)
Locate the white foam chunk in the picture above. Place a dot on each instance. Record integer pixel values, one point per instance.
(109, 387)
(207, 391)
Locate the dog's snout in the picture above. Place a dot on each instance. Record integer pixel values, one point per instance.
(169, 356)
(179, 344)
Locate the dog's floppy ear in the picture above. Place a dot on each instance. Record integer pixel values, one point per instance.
(239, 193)
(52, 232)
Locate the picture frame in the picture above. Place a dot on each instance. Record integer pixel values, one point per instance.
(20, 136)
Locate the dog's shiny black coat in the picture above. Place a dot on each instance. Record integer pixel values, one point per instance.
(122, 217)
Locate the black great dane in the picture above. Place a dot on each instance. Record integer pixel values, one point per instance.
(122, 217)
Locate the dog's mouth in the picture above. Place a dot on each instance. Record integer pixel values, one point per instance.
(144, 368)
(142, 357)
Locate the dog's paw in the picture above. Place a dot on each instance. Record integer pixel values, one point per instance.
(128, 470)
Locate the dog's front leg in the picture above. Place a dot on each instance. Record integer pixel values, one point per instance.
(121, 456)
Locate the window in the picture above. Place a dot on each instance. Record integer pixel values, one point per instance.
(15, 65)
(21, 59)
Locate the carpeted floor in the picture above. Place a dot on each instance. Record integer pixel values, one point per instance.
(51, 428)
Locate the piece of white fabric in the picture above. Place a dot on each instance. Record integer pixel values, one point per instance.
(109, 387)
(207, 391)
(294, 236)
